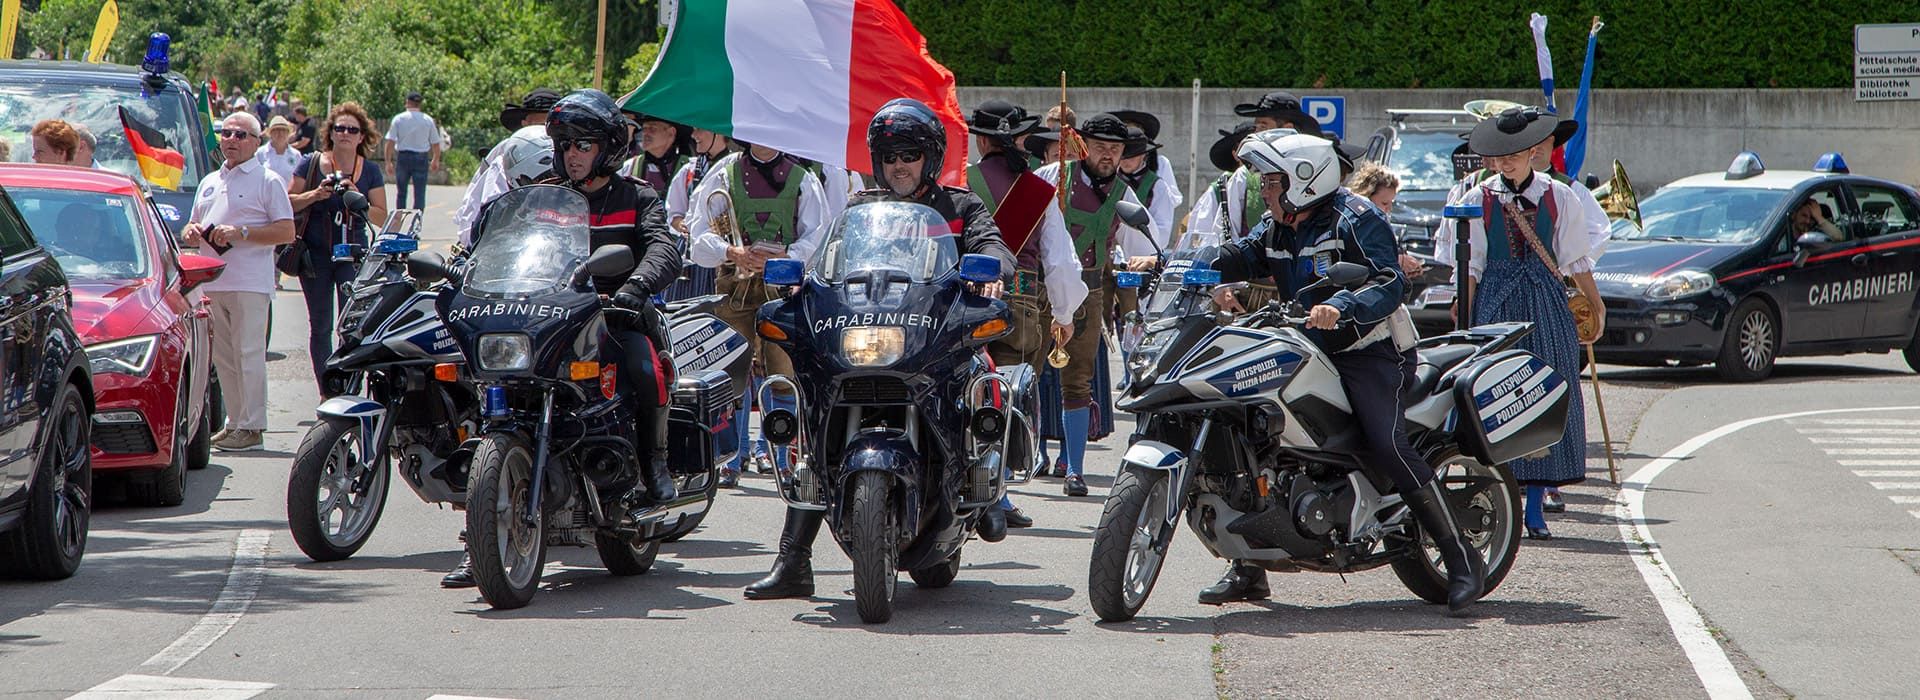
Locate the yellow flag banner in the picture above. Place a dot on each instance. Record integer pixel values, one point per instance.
(103, 32)
(9, 22)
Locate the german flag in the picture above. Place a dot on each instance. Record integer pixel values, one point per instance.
(160, 165)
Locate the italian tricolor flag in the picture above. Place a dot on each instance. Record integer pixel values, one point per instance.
(801, 76)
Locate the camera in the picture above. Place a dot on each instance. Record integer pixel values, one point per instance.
(336, 181)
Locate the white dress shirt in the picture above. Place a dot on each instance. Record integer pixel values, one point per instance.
(1576, 244)
(413, 131)
(709, 249)
(1204, 220)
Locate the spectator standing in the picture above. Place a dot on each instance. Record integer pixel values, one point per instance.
(54, 142)
(240, 213)
(325, 221)
(305, 136)
(413, 148)
(83, 149)
(278, 152)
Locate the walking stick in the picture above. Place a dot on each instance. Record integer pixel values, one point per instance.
(1606, 435)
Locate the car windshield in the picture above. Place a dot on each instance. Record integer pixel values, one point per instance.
(1707, 214)
(908, 238)
(532, 240)
(1423, 160)
(93, 236)
(24, 104)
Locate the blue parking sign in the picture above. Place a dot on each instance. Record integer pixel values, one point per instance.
(1331, 112)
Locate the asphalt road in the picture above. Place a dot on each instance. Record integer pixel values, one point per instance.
(1805, 570)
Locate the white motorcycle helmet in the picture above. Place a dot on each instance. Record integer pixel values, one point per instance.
(1310, 165)
(527, 156)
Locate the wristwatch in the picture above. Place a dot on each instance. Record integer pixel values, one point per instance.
(244, 233)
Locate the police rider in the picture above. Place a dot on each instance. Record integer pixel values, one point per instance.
(1311, 223)
(908, 145)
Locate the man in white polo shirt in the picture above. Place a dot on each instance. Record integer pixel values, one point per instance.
(413, 149)
(240, 213)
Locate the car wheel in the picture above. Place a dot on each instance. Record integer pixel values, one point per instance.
(1912, 351)
(168, 486)
(53, 534)
(1751, 345)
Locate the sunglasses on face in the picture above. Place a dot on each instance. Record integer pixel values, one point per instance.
(345, 129)
(236, 134)
(903, 157)
(581, 145)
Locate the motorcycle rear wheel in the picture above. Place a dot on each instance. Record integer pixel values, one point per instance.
(624, 557)
(876, 572)
(332, 503)
(1497, 541)
(1130, 544)
(508, 552)
(939, 575)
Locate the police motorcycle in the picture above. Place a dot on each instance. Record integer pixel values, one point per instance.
(902, 425)
(1243, 427)
(399, 398)
(555, 451)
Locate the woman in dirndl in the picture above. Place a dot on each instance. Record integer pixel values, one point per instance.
(1512, 281)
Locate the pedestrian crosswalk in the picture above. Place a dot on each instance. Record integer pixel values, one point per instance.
(148, 687)
(1885, 452)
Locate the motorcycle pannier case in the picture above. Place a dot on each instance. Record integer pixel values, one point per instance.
(1511, 405)
(702, 421)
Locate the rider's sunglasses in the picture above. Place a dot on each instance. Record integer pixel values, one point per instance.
(902, 157)
(587, 146)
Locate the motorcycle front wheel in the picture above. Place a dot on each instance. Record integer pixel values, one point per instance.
(508, 551)
(876, 556)
(1490, 525)
(1131, 543)
(333, 501)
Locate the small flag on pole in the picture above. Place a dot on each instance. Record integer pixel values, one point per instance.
(1543, 57)
(1576, 149)
(160, 165)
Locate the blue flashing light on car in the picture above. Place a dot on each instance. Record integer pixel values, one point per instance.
(1832, 163)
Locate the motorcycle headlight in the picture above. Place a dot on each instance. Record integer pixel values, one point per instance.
(131, 356)
(872, 346)
(505, 352)
(1680, 284)
(1148, 355)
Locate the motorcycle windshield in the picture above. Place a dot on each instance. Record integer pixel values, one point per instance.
(911, 239)
(532, 240)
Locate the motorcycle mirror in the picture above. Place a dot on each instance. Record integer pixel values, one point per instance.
(428, 267)
(1349, 275)
(354, 201)
(1133, 215)
(608, 261)
(1127, 280)
(979, 269)
(784, 272)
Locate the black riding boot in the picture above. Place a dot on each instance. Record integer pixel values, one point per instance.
(792, 575)
(993, 524)
(1243, 581)
(462, 575)
(656, 479)
(1466, 571)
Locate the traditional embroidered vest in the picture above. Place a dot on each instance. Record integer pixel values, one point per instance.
(768, 212)
(1505, 244)
(1092, 220)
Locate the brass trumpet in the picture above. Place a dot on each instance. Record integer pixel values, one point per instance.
(1617, 197)
(726, 223)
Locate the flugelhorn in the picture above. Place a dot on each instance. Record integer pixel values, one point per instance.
(726, 223)
(1617, 197)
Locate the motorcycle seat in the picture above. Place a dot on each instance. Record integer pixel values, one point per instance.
(1433, 364)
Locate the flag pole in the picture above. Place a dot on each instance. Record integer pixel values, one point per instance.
(1606, 435)
(600, 47)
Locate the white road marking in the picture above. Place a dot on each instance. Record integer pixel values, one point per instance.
(134, 686)
(1864, 421)
(1860, 440)
(1887, 473)
(1872, 451)
(1878, 463)
(1857, 431)
(1896, 485)
(1916, 513)
(462, 697)
(1905, 499)
(243, 582)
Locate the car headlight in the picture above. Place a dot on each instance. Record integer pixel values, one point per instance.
(872, 346)
(505, 352)
(1680, 284)
(131, 356)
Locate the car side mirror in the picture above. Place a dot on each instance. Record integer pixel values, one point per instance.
(1348, 275)
(1806, 244)
(608, 261)
(1133, 215)
(196, 270)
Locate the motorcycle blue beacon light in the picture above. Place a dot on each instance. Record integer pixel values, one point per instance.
(1201, 278)
(159, 48)
(982, 269)
(1461, 211)
(496, 406)
(398, 245)
(1831, 163)
(784, 272)
(343, 251)
(1126, 280)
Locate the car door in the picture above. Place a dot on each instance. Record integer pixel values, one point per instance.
(22, 292)
(1816, 296)
(190, 305)
(1890, 221)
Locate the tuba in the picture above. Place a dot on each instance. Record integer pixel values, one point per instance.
(1617, 197)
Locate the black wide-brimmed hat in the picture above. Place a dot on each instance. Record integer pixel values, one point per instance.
(1283, 106)
(1148, 123)
(1001, 118)
(1040, 140)
(1138, 143)
(537, 100)
(1222, 151)
(1564, 132)
(1513, 130)
(1104, 127)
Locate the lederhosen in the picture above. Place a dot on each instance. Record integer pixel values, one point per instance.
(1091, 221)
(767, 211)
(990, 180)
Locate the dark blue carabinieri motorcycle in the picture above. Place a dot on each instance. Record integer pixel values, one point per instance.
(901, 422)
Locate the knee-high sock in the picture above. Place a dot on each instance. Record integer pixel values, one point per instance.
(1074, 445)
(1536, 518)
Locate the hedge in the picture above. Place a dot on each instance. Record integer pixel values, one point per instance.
(1397, 43)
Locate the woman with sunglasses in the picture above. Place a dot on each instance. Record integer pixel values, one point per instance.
(323, 221)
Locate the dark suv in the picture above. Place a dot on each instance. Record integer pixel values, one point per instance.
(46, 412)
(89, 93)
(1419, 148)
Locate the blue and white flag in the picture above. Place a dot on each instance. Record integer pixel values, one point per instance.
(1576, 148)
(1543, 57)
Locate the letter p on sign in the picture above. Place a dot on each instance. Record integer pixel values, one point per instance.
(1331, 112)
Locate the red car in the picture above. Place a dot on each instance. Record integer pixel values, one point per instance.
(144, 327)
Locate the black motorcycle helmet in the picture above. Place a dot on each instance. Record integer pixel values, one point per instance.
(590, 114)
(904, 125)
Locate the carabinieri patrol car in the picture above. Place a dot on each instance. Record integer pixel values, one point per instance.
(1742, 267)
